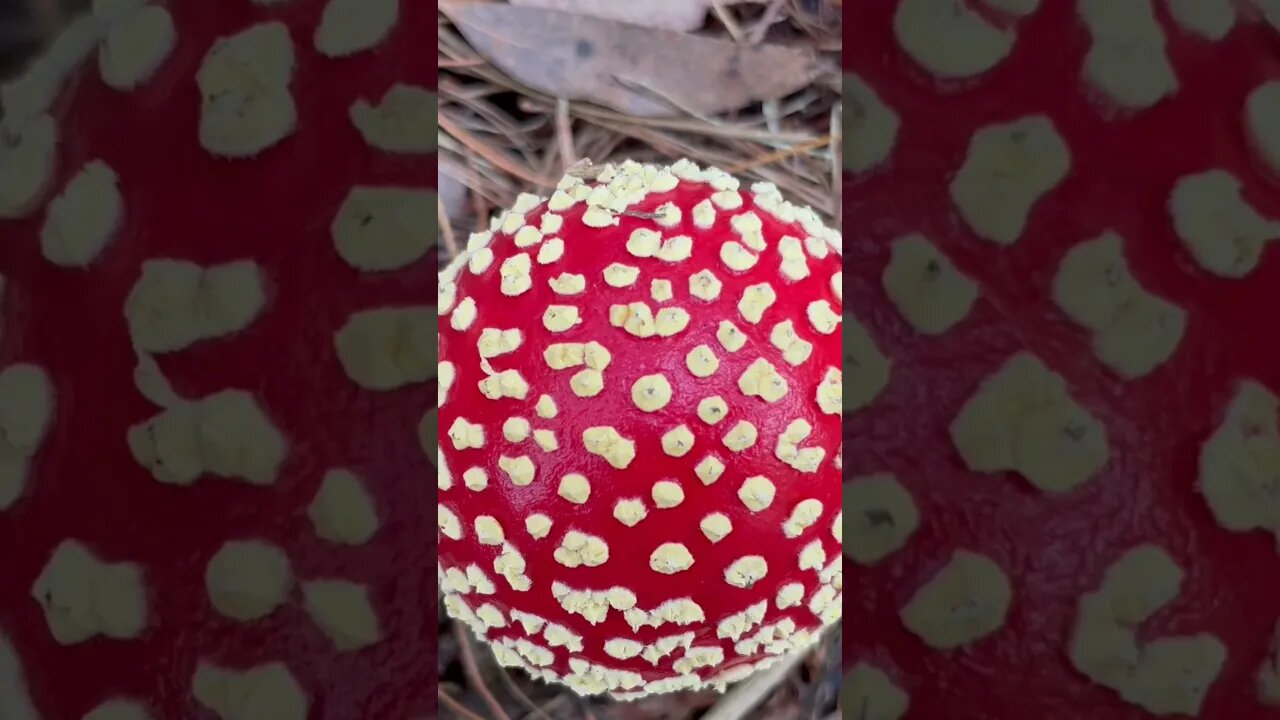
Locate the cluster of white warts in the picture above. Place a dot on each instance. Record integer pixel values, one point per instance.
(752, 636)
(176, 304)
(1022, 417)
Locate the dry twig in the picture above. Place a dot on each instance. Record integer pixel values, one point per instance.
(446, 230)
(766, 21)
(837, 165)
(491, 154)
(726, 18)
(473, 673)
(777, 155)
(456, 706)
(522, 698)
(564, 133)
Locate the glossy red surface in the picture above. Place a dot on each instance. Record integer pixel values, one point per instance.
(588, 252)
(1055, 548)
(182, 203)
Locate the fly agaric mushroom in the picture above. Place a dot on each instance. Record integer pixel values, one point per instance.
(1063, 439)
(206, 508)
(640, 402)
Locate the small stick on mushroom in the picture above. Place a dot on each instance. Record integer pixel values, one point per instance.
(583, 169)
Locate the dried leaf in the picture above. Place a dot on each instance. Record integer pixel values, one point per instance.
(636, 70)
(678, 15)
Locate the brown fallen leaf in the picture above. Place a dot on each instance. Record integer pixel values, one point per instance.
(641, 71)
(678, 15)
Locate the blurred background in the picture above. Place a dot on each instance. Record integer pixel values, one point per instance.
(528, 88)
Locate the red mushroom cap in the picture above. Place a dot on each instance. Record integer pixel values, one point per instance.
(203, 514)
(640, 403)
